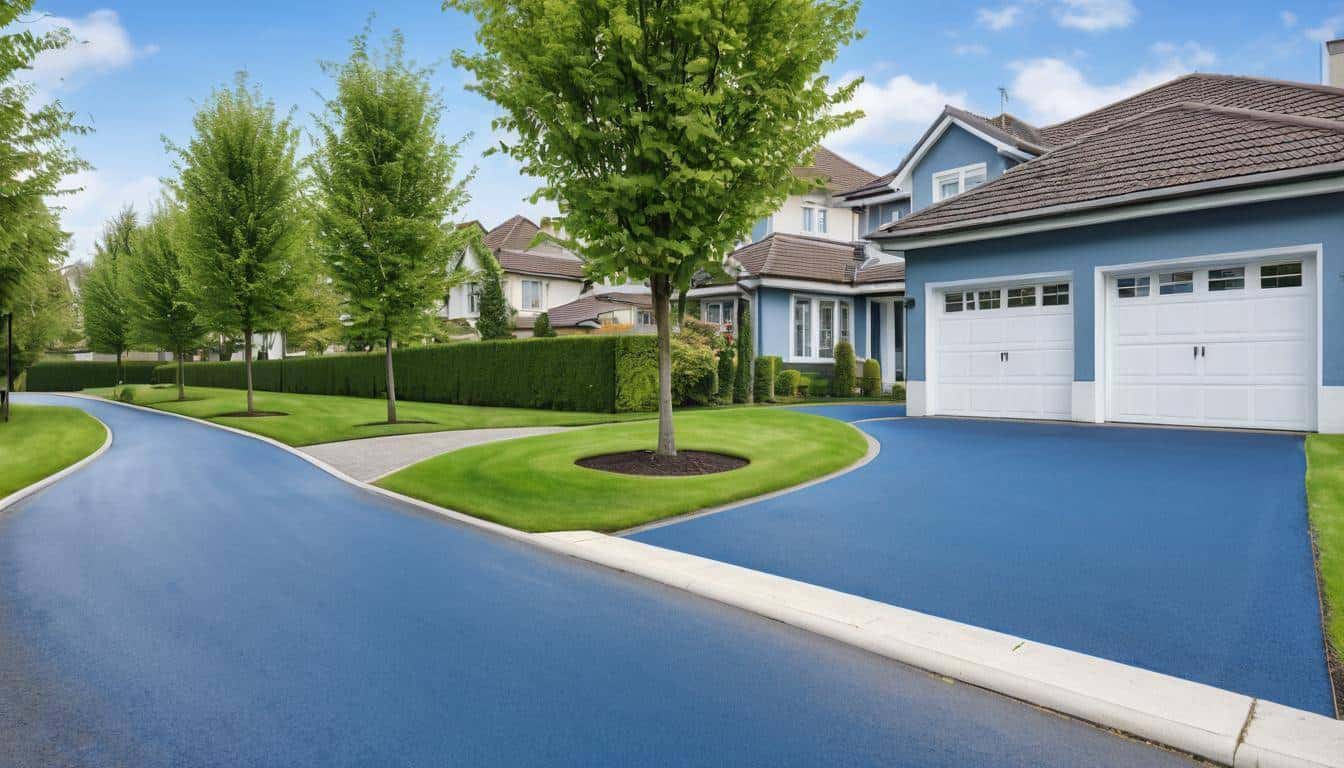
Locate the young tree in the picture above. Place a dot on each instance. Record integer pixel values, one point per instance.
(104, 295)
(385, 193)
(742, 384)
(495, 317)
(238, 179)
(662, 130)
(161, 314)
(542, 329)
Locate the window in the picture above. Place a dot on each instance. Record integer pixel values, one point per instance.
(714, 313)
(952, 302)
(532, 294)
(1058, 295)
(844, 322)
(1131, 287)
(645, 317)
(814, 219)
(1233, 279)
(473, 297)
(1281, 275)
(1169, 283)
(802, 328)
(953, 182)
(1022, 297)
(826, 326)
(989, 299)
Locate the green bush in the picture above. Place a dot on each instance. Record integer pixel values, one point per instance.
(871, 382)
(74, 375)
(767, 369)
(788, 382)
(842, 381)
(818, 387)
(898, 392)
(726, 375)
(694, 379)
(542, 329)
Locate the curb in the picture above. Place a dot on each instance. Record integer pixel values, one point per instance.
(1229, 728)
(56, 477)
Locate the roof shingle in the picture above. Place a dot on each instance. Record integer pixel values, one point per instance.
(835, 171)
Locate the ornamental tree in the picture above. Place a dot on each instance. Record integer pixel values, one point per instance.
(104, 295)
(495, 318)
(162, 315)
(385, 195)
(238, 180)
(663, 130)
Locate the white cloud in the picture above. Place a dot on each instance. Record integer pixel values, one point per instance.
(1329, 29)
(1055, 90)
(971, 49)
(1289, 19)
(103, 194)
(1096, 15)
(1003, 18)
(895, 111)
(99, 44)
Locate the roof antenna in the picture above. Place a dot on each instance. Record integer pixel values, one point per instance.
(1003, 100)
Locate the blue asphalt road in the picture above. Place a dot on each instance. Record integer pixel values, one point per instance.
(199, 598)
(1181, 551)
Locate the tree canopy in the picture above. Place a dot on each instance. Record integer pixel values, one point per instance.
(161, 314)
(105, 300)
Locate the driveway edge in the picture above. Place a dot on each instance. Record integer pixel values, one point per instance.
(1230, 728)
(56, 477)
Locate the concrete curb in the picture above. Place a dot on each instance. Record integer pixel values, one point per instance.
(56, 477)
(1229, 728)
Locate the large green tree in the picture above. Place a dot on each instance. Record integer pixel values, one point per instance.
(104, 297)
(385, 194)
(238, 179)
(662, 128)
(161, 314)
(42, 307)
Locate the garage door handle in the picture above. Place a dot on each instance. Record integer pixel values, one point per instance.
(1202, 350)
(1196, 350)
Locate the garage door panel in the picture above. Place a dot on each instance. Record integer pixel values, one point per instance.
(1228, 360)
(1178, 319)
(1136, 321)
(1179, 400)
(1227, 403)
(1283, 314)
(985, 364)
(1176, 360)
(1227, 317)
(1135, 401)
(954, 332)
(1280, 358)
(1056, 329)
(1135, 362)
(955, 365)
(986, 330)
(1021, 330)
(1283, 405)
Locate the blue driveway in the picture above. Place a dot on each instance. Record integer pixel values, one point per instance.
(199, 598)
(1182, 551)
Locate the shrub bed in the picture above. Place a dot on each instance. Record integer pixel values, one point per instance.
(74, 375)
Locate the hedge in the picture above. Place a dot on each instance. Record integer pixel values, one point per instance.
(871, 382)
(574, 373)
(842, 380)
(767, 369)
(74, 375)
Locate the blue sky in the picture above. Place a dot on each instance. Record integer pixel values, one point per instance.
(144, 66)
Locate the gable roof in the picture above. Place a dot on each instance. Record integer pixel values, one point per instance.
(543, 262)
(1281, 96)
(1161, 152)
(516, 233)
(588, 309)
(802, 257)
(837, 172)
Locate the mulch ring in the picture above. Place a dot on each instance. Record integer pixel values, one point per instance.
(684, 464)
(398, 421)
(245, 414)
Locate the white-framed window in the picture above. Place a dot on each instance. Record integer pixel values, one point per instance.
(1022, 297)
(1227, 279)
(989, 299)
(718, 312)
(645, 317)
(819, 323)
(814, 219)
(532, 294)
(1055, 295)
(954, 181)
(1281, 275)
(473, 297)
(1132, 287)
(1175, 282)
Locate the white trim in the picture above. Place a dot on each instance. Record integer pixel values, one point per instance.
(864, 202)
(815, 325)
(842, 289)
(902, 181)
(1088, 214)
(1101, 339)
(714, 291)
(958, 174)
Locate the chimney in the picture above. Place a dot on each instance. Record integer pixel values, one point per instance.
(1332, 68)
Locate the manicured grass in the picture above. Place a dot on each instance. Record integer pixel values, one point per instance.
(41, 440)
(533, 484)
(324, 418)
(1325, 495)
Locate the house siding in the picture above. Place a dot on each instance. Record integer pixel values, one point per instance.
(957, 147)
(1301, 221)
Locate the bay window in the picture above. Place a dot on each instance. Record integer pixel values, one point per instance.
(802, 328)
(819, 323)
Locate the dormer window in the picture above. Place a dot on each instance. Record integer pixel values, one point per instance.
(814, 219)
(954, 181)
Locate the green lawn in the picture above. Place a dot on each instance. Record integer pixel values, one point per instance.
(324, 418)
(1325, 492)
(41, 440)
(533, 484)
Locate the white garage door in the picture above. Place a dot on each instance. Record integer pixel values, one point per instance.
(1227, 346)
(1005, 351)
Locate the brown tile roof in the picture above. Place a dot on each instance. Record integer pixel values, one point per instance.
(1281, 96)
(1005, 128)
(1169, 147)
(543, 261)
(881, 273)
(837, 172)
(515, 234)
(800, 257)
(590, 307)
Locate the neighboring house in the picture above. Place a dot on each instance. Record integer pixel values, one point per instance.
(535, 277)
(604, 309)
(805, 279)
(1172, 258)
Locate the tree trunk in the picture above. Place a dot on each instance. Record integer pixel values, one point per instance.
(391, 385)
(247, 363)
(662, 315)
(181, 387)
(120, 378)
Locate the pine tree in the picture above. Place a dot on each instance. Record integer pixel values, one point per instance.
(742, 389)
(495, 316)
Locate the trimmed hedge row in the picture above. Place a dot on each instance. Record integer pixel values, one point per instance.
(573, 373)
(74, 375)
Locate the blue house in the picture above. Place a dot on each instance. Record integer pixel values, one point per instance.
(1173, 258)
